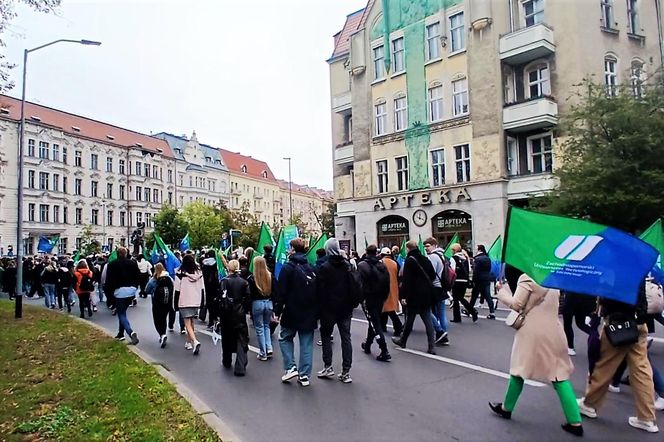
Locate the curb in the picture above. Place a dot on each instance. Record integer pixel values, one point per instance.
(201, 408)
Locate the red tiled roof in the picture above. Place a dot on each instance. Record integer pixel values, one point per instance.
(78, 126)
(255, 168)
(342, 39)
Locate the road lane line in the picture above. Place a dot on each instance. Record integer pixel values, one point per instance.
(469, 366)
(660, 340)
(251, 347)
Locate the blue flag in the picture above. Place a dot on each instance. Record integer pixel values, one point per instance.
(154, 256)
(47, 244)
(184, 244)
(577, 255)
(495, 254)
(172, 262)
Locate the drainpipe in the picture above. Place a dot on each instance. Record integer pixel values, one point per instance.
(511, 6)
(658, 11)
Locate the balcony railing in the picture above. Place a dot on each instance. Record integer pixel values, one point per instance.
(527, 44)
(532, 114)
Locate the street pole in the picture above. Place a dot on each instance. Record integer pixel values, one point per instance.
(103, 225)
(18, 310)
(290, 192)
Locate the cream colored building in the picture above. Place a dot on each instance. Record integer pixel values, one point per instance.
(441, 117)
(309, 204)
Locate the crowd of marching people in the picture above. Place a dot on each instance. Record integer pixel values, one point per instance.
(301, 296)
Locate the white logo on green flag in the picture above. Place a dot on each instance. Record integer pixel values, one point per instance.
(577, 247)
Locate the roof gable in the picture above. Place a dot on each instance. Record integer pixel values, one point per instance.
(254, 168)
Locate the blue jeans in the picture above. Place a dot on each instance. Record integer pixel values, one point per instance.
(262, 313)
(49, 295)
(122, 304)
(288, 351)
(100, 293)
(439, 317)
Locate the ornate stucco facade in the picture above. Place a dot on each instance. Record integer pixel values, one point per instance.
(446, 111)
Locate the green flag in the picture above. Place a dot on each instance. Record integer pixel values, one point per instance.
(420, 246)
(448, 250)
(403, 252)
(113, 256)
(653, 236)
(311, 254)
(495, 254)
(286, 234)
(77, 257)
(264, 238)
(220, 264)
(366, 244)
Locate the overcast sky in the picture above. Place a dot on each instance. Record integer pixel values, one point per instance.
(248, 76)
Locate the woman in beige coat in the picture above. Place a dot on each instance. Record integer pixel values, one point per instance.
(539, 350)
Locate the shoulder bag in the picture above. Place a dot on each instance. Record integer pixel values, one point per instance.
(516, 319)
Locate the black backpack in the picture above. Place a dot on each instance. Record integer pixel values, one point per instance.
(355, 286)
(87, 284)
(163, 294)
(305, 279)
(462, 268)
(377, 286)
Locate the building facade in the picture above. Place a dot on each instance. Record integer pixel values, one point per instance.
(309, 205)
(446, 111)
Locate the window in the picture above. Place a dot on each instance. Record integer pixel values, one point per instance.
(56, 214)
(191, 180)
(462, 154)
(541, 158)
(243, 169)
(79, 215)
(381, 166)
(122, 219)
(77, 158)
(457, 35)
(109, 218)
(637, 79)
(438, 167)
(79, 243)
(379, 62)
(109, 190)
(64, 184)
(31, 212)
(460, 97)
(139, 193)
(155, 195)
(43, 150)
(146, 194)
(533, 12)
(632, 16)
(65, 215)
(381, 117)
(139, 218)
(122, 191)
(146, 170)
(400, 114)
(43, 213)
(148, 219)
(78, 183)
(94, 217)
(62, 246)
(607, 13)
(402, 173)
(433, 44)
(348, 131)
(94, 185)
(31, 179)
(64, 155)
(56, 152)
(538, 81)
(109, 164)
(31, 148)
(170, 176)
(611, 76)
(512, 157)
(43, 181)
(94, 161)
(398, 60)
(138, 168)
(121, 167)
(170, 198)
(155, 172)
(436, 102)
(56, 182)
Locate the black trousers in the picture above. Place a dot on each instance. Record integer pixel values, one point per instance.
(143, 281)
(396, 322)
(580, 319)
(425, 314)
(36, 288)
(160, 312)
(459, 297)
(63, 293)
(343, 325)
(84, 303)
(375, 329)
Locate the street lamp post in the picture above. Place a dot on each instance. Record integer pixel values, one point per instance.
(18, 311)
(290, 192)
(103, 225)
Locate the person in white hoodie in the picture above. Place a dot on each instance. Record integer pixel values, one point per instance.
(189, 284)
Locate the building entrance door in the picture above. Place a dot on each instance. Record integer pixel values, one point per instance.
(392, 231)
(448, 222)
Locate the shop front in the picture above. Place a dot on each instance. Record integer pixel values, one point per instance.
(448, 222)
(392, 231)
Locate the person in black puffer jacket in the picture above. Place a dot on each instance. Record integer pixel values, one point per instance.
(234, 299)
(211, 281)
(482, 279)
(375, 288)
(641, 379)
(64, 286)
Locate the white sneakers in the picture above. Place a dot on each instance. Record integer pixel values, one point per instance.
(571, 352)
(586, 410)
(613, 389)
(290, 374)
(162, 341)
(648, 426)
(197, 347)
(659, 403)
(188, 346)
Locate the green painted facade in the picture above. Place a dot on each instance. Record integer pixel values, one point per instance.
(409, 16)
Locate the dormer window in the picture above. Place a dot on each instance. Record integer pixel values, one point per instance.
(243, 169)
(139, 145)
(110, 137)
(217, 161)
(36, 118)
(76, 129)
(178, 151)
(264, 174)
(208, 159)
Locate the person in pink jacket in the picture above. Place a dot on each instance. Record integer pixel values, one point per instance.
(189, 284)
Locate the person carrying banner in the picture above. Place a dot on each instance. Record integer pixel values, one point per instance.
(539, 350)
(482, 278)
(460, 262)
(612, 355)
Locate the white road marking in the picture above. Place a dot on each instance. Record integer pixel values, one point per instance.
(660, 340)
(481, 369)
(251, 347)
(467, 365)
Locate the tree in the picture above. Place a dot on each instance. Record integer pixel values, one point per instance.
(612, 168)
(326, 221)
(6, 15)
(247, 223)
(204, 224)
(89, 243)
(170, 225)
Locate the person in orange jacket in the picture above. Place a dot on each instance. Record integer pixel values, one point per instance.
(84, 286)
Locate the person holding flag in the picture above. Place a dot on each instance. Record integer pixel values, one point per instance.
(460, 262)
(482, 279)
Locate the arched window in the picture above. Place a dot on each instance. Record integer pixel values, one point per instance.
(243, 168)
(264, 174)
(538, 80)
(637, 78)
(611, 75)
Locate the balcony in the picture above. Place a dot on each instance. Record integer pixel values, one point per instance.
(529, 115)
(519, 187)
(341, 102)
(527, 44)
(258, 196)
(236, 192)
(343, 153)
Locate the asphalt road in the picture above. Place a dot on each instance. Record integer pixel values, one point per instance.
(415, 397)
